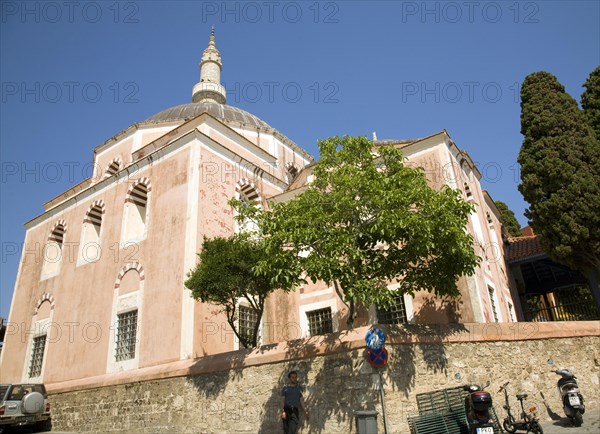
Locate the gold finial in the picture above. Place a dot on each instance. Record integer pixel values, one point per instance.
(212, 34)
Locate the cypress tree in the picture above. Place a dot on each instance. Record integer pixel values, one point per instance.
(559, 173)
(590, 101)
(508, 219)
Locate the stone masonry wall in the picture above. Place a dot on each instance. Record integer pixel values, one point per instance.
(245, 399)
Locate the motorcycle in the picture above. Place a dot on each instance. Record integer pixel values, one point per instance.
(528, 421)
(570, 396)
(477, 408)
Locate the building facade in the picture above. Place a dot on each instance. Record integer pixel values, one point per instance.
(100, 287)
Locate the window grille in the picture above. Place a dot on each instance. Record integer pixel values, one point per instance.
(320, 321)
(37, 356)
(246, 323)
(395, 314)
(510, 312)
(126, 335)
(494, 310)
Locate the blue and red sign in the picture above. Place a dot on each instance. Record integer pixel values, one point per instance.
(377, 355)
(378, 358)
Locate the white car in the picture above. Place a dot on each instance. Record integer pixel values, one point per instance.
(24, 405)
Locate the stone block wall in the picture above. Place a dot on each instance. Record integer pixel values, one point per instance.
(239, 392)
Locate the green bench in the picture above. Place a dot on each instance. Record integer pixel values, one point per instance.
(443, 412)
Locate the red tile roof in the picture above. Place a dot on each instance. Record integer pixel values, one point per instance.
(527, 231)
(523, 247)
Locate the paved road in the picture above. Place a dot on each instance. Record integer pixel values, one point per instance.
(562, 425)
(24, 430)
(28, 431)
(552, 423)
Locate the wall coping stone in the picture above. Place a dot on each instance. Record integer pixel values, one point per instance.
(340, 342)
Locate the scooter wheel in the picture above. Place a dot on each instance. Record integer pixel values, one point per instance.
(508, 427)
(577, 419)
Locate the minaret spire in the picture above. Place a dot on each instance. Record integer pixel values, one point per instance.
(209, 87)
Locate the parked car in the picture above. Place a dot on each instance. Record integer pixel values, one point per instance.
(24, 405)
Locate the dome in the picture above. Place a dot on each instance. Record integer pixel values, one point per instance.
(209, 96)
(222, 112)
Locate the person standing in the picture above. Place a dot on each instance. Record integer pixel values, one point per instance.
(292, 400)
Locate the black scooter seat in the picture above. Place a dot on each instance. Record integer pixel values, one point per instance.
(520, 397)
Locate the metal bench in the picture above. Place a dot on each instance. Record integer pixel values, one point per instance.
(443, 412)
(443, 423)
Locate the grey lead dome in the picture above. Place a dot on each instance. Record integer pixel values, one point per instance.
(222, 112)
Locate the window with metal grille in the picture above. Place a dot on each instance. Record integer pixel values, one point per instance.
(510, 312)
(126, 335)
(37, 356)
(493, 303)
(246, 323)
(394, 314)
(319, 321)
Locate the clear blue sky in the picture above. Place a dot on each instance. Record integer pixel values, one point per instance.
(75, 74)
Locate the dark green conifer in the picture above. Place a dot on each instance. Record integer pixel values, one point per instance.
(508, 219)
(590, 101)
(559, 173)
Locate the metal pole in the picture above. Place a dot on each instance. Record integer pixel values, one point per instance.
(385, 426)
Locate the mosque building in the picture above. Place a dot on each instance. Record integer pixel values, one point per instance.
(100, 287)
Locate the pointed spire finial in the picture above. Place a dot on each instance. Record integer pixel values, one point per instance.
(211, 42)
(209, 88)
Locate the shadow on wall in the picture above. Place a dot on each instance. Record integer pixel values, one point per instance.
(338, 385)
(334, 386)
(404, 362)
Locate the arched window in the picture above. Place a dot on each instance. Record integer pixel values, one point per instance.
(468, 192)
(136, 211)
(113, 167)
(89, 249)
(248, 194)
(124, 349)
(53, 250)
(291, 171)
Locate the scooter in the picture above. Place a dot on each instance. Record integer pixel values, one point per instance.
(570, 396)
(477, 408)
(528, 421)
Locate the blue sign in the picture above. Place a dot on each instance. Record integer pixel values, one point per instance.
(375, 339)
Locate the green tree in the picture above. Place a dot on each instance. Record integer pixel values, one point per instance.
(560, 176)
(368, 220)
(590, 101)
(225, 275)
(508, 219)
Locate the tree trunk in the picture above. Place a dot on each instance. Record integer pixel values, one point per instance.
(351, 314)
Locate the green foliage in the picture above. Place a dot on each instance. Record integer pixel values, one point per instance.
(225, 274)
(590, 101)
(508, 219)
(367, 220)
(560, 173)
